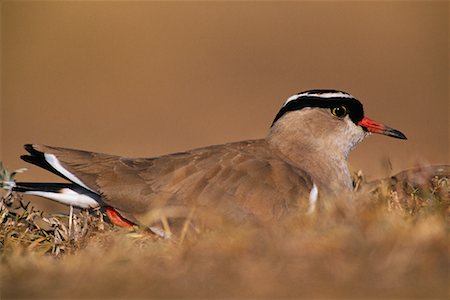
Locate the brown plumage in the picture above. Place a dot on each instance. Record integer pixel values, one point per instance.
(304, 154)
(243, 179)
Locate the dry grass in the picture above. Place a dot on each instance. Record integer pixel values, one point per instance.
(391, 242)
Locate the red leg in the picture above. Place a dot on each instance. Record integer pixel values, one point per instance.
(117, 219)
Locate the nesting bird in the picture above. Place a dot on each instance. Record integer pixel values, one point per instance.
(302, 159)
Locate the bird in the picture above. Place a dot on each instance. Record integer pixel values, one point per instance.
(302, 159)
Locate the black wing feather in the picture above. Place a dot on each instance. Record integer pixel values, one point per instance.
(37, 158)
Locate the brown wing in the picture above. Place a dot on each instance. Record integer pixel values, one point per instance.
(244, 180)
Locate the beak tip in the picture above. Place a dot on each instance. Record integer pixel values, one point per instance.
(398, 134)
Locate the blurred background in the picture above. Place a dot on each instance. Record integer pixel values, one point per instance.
(150, 78)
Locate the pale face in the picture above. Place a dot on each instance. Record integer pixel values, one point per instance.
(326, 120)
(317, 129)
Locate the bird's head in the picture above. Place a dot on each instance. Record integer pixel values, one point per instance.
(326, 119)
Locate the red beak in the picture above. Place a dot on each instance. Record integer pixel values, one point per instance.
(375, 127)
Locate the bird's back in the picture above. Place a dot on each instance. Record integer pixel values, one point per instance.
(243, 180)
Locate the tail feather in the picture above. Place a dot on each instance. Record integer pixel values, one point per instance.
(65, 193)
(23, 187)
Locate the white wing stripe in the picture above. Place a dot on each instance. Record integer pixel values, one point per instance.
(67, 197)
(54, 162)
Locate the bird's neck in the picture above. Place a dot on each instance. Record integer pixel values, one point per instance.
(325, 163)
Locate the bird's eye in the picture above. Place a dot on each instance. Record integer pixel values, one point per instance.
(339, 111)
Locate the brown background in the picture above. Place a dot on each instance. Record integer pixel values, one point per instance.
(148, 78)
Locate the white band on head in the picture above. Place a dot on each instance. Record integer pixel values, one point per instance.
(319, 95)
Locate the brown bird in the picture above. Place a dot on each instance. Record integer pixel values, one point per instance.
(303, 158)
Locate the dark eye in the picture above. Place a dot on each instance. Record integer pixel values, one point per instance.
(339, 111)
